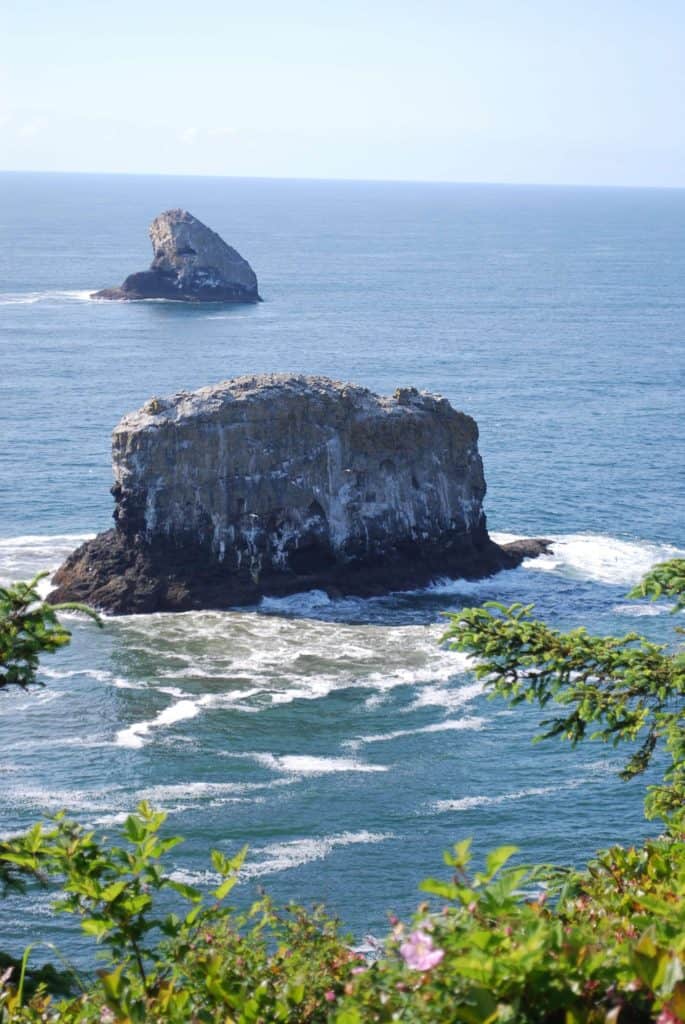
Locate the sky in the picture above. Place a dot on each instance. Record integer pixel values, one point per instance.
(522, 91)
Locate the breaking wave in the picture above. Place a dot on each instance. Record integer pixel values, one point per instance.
(449, 725)
(600, 558)
(302, 764)
(22, 558)
(466, 803)
(54, 296)
(277, 857)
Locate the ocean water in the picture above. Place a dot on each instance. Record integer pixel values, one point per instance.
(339, 738)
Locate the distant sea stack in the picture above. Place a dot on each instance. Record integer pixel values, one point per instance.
(191, 264)
(276, 484)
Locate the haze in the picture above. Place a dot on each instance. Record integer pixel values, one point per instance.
(588, 93)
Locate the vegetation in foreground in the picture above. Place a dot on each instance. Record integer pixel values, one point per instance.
(503, 944)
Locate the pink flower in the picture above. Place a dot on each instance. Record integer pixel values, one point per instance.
(329, 996)
(419, 953)
(667, 1016)
(358, 970)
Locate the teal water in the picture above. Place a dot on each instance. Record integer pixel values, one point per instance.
(338, 738)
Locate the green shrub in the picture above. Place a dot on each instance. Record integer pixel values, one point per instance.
(29, 628)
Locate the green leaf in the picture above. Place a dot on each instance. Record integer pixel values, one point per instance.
(110, 893)
(497, 859)
(94, 926)
(188, 892)
(223, 890)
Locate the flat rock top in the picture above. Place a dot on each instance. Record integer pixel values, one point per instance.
(274, 387)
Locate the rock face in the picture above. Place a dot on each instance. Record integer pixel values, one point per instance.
(274, 484)
(191, 264)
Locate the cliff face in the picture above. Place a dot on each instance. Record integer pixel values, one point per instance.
(191, 263)
(280, 483)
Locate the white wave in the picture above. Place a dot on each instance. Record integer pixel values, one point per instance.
(99, 675)
(56, 295)
(197, 878)
(275, 857)
(23, 557)
(300, 604)
(197, 791)
(283, 856)
(449, 725)
(37, 699)
(446, 586)
(465, 803)
(642, 610)
(375, 700)
(73, 800)
(450, 697)
(303, 764)
(134, 735)
(116, 818)
(584, 556)
(266, 661)
(602, 558)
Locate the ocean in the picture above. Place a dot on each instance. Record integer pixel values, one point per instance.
(338, 738)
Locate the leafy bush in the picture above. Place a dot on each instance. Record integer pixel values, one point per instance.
(205, 963)
(630, 688)
(29, 628)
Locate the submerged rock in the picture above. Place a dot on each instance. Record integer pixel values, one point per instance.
(276, 484)
(191, 264)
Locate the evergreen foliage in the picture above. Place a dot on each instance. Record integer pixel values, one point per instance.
(29, 628)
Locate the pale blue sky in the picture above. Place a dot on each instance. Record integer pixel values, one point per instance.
(518, 91)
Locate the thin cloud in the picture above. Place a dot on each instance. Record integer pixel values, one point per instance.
(188, 136)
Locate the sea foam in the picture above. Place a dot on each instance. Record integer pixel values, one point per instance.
(54, 296)
(601, 558)
(449, 725)
(302, 764)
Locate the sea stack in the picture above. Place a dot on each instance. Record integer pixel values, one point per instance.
(276, 484)
(191, 264)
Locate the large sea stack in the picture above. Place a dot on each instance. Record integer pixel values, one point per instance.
(191, 264)
(275, 484)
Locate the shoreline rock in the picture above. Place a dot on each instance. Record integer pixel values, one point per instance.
(277, 484)
(191, 263)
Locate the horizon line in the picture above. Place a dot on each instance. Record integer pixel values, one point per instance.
(334, 180)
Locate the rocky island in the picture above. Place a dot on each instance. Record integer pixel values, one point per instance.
(191, 264)
(276, 484)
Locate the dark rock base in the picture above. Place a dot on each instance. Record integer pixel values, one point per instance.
(114, 575)
(153, 284)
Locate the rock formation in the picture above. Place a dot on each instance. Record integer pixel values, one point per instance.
(191, 264)
(274, 484)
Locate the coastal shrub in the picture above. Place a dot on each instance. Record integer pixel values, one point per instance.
(606, 944)
(199, 960)
(506, 943)
(29, 628)
(627, 687)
